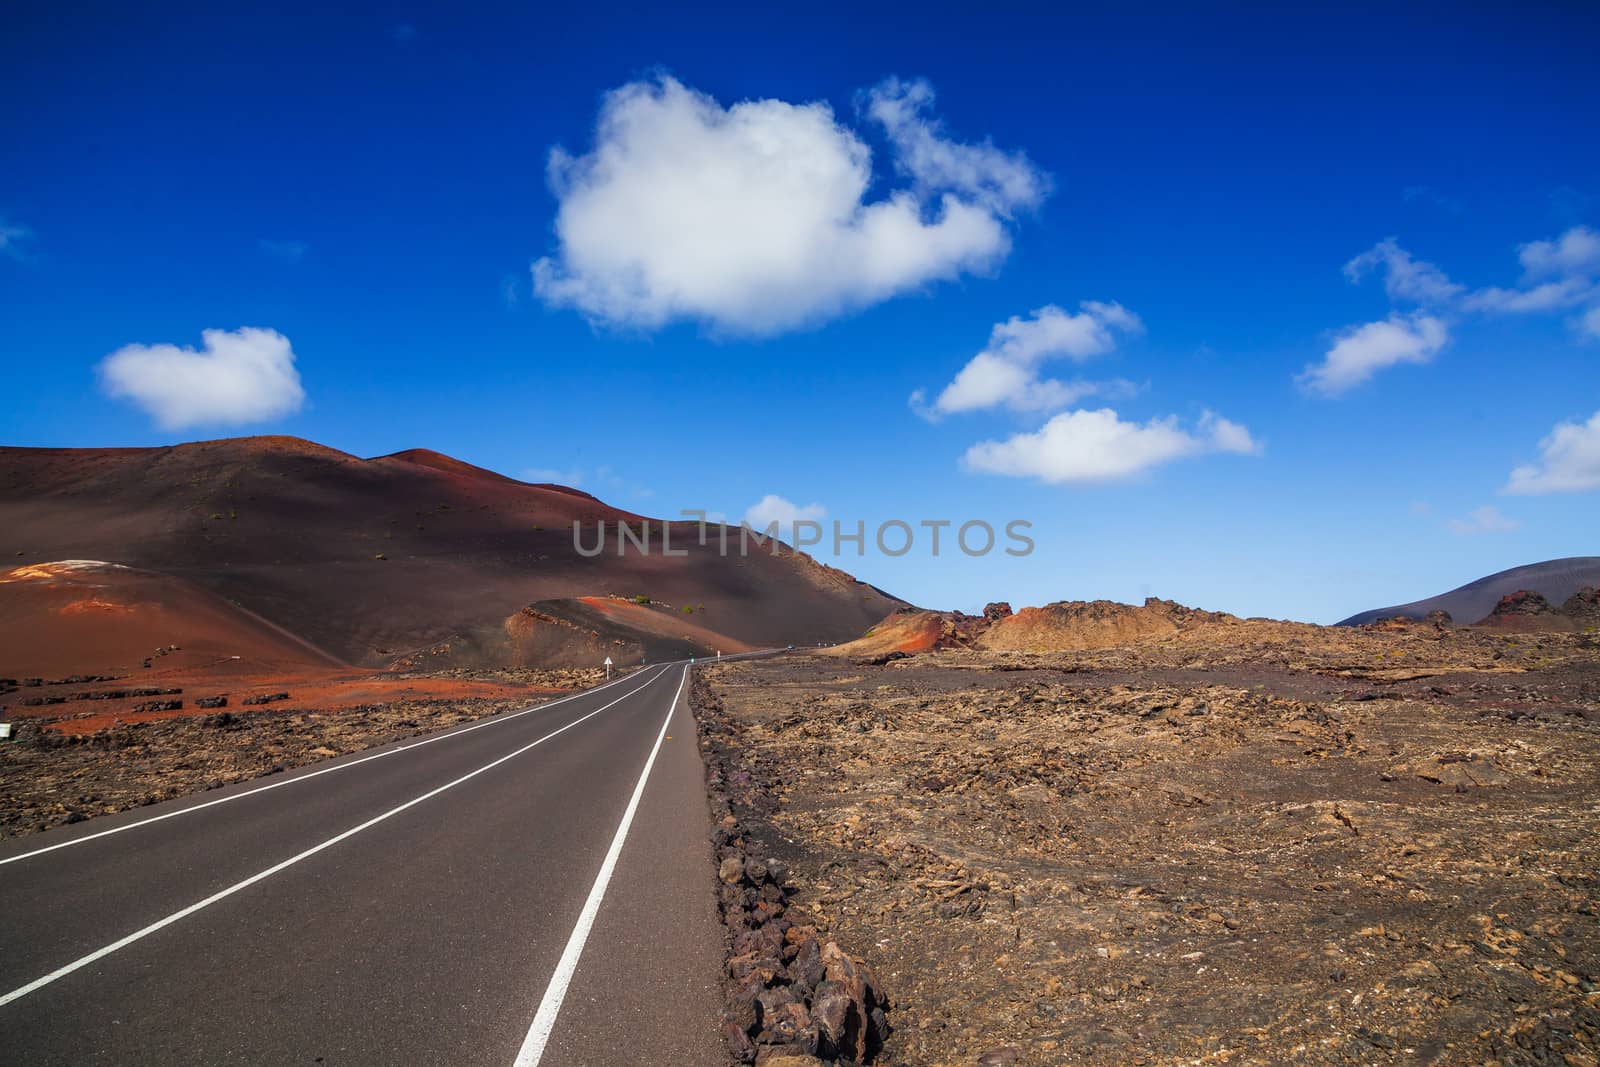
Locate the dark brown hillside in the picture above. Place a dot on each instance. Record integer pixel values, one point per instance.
(371, 559)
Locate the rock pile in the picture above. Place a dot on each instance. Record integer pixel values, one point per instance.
(794, 998)
(1583, 607)
(1528, 612)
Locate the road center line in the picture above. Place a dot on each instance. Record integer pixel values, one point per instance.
(160, 924)
(544, 1021)
(317, 774)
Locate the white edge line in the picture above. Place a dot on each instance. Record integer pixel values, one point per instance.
(159, 924)
(447, 733)
(544, 1021)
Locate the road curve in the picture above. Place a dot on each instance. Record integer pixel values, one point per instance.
(530, 889)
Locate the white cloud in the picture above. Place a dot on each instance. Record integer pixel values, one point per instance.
(1590, 322)
(1569, 462)
(552, 475)
(1098, 446)
(752, 218)
(241, 376)
(1556, 274)
(1006, 373)
(775, 509)
(1404, 278)
(1002, 181)
(1549, 296)
(1575, 252)
(1362, 351)
(1483, 520)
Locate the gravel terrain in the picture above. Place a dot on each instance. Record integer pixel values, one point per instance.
(1249, 843)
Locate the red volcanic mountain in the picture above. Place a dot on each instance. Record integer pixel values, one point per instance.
(414, 558)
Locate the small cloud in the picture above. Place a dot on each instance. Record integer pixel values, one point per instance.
(1001, 181)
(1483, 520)
(1421, 507)
(607, 478)
(242, 376)
(288, 251)
(1575, 252)
(1569, 462)
(1404, 278)
(1006, 372)
(1098, 446)
(1557, 273)
(776, 509)
(1362, 351)
(1589, 323)
(12, 238)
(1549, 296)
(551, 476)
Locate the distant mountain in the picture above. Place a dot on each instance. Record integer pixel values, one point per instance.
(1555, 580)
(413, 556)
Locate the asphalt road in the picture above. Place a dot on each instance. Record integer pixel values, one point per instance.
(528, 889)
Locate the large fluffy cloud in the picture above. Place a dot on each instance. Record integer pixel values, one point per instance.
(1362, 351)
(1098, 446)
(1006, 372)
(754, 218)
(1569, 461)
(241, 376)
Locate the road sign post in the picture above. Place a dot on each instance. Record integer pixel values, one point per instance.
(608, 668)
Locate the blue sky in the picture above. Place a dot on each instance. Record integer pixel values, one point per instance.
(772, 270)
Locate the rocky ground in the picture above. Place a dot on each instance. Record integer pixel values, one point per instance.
(1247, 843)
(53, 773)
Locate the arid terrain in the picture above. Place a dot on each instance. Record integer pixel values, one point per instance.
(1214, 841)
(84, 757)
(1085, 832)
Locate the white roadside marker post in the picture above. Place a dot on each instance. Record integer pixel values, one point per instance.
(608, 668)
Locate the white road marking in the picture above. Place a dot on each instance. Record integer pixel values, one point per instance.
(176, 916)
(544, 1021)
(315, 774)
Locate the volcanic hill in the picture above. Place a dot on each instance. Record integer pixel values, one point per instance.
(1555, 580)
(412, 559)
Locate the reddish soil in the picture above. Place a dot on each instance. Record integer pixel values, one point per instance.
(82, 758)
(909, 630)
(86, 711)
(89, 617)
